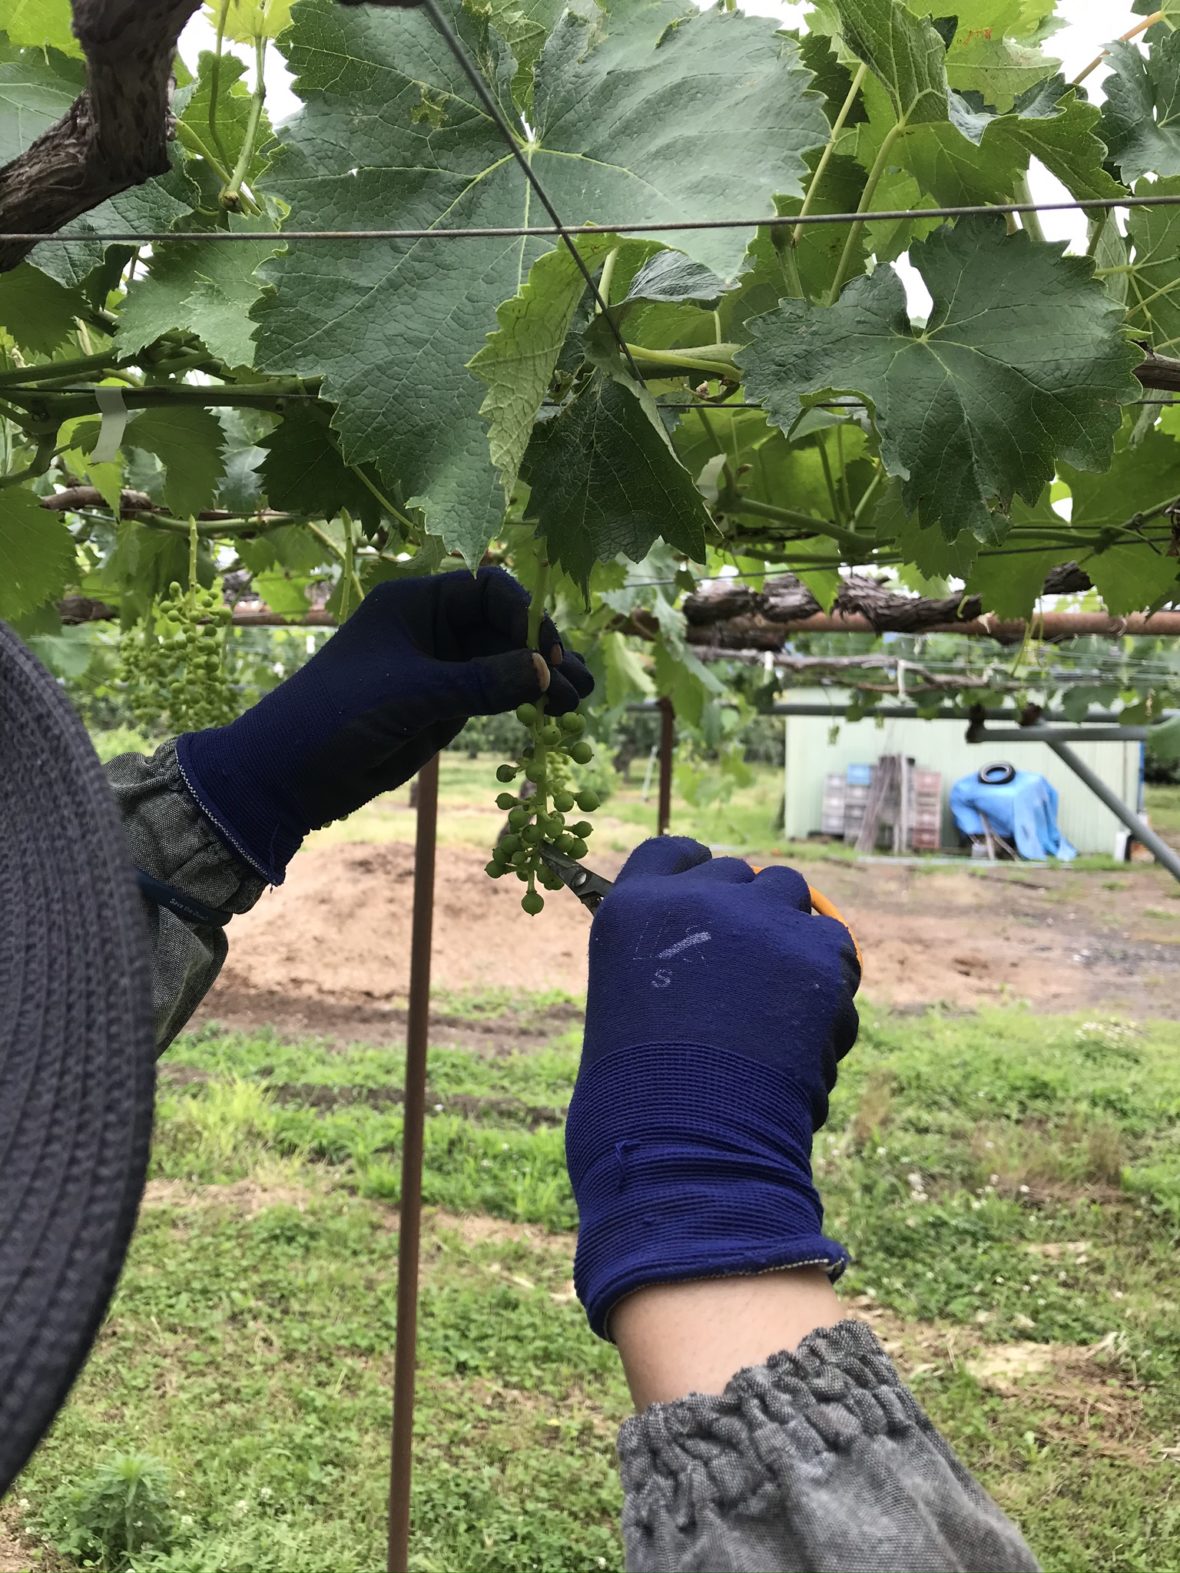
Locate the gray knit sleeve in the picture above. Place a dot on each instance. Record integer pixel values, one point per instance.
(170, 838)
(818, 1460)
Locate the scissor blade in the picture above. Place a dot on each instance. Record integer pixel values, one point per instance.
(590, 888)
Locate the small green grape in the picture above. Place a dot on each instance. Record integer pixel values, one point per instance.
(588, 801)
(532, 902)
(583, 828)
(506, 773)
(551, 734)
(531, 835)
(573, 723)
(577, 847)
(581, 752)
(494, 870)
(510, 844)
(518, 817)
(563, 801)
(526, 714)
(506, 800)
(523, 872)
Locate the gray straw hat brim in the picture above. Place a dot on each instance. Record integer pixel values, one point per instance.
(77, 1062)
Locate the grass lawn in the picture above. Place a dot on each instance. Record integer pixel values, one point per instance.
(1163, 805)
(1009, 1185)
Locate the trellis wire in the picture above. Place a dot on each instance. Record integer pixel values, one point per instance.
(620, 226)
(496, 115)
(709, 407)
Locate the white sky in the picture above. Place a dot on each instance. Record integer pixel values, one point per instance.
(1089, 24)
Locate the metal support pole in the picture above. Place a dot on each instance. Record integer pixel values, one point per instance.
(1057, 734)
(667, 739)
(1160, 850)
(413, 1122)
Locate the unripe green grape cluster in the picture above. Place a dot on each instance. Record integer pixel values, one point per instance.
(173, 661)
(553, 745)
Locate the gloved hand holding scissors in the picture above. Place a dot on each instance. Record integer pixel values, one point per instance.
(719, 1005)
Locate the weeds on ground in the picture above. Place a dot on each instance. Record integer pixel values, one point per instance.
(1009, 1186)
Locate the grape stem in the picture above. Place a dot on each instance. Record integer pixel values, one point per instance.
(537, 604)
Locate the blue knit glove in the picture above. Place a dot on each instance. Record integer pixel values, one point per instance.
(718, 1008)
(389, 689)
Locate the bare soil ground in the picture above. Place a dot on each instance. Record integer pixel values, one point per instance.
(329, 952)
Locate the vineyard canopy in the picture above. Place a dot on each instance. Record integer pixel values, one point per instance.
(745, 395)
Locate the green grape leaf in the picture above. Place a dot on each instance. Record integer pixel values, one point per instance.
(1129, 575)
(702, 433)
(1051, 123)
(1109, 250)
(155, 301)
(41, 24)
(36, 553)
(240, 490)
(1141, 115)
(524, 25)
(520, 357)
(673, 278)
(1164, 739)
(188, 442)
(1132, 578)
(998, 69)
(284, 593)
(604, 481)
(1152, 283)
(156, 206)
(1142, 477)
(304, 472)
(391, 329)
(906, 54)
(932, 552)
(206, 288)
(36, 89)
(1010, 582)
(626, 676)
(1022, 364)
(225, 288)
(77, 439)
(36, 310)
(246, 20)
(686, 680)
(978, 156)
(833, 78)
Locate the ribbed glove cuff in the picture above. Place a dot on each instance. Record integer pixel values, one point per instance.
(689, 1162)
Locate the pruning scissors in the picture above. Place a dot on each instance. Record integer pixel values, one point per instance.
(592, 889)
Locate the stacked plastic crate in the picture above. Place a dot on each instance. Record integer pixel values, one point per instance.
(847, 795)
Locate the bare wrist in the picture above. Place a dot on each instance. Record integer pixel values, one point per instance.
(676, 1339)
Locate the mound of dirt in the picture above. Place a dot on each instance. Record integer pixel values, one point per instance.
(329, 951)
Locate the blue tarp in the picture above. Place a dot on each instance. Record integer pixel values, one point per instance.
(1023, 811)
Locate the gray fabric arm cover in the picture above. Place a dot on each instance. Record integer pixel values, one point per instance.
(171, 838)
(818, 1461)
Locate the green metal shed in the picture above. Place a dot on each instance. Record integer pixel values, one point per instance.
(818, 746)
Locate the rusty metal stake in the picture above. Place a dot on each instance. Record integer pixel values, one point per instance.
(667, 738)
(413, 1122)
